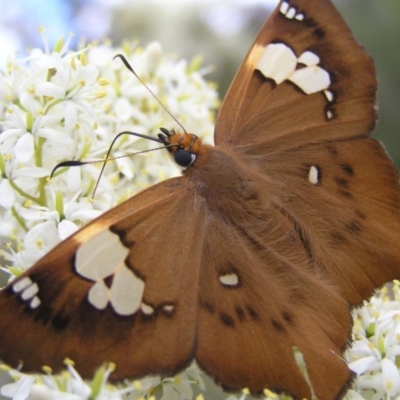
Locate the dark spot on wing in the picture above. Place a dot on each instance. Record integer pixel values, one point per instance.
(337, 238)
(341, 182)
(60, 320)
(208, 306)
(227, 320)
(277, 326)
(252, 313)
(347, 169)
(43, 313)
(310, 22)
(354, 227)
(345, 193)
(240, 313)
(287, 316)
(332, 151)
(319, 33)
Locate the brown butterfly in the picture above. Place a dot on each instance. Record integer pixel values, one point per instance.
(265, 243)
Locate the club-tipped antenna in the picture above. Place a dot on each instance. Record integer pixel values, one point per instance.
(127, 65)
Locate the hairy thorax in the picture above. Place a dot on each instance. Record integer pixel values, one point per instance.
(227, 182)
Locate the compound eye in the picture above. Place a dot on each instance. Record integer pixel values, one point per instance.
(184, 158)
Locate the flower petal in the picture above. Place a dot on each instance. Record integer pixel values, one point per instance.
(7, 194)
(50, 89)
(391, 377)
(31, 172)
(66, 228)
(24, 148)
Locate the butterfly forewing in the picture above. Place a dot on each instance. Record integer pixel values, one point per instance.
(304, 80)
(85, 311)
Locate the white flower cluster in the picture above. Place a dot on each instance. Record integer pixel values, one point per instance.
(63, 105)
(70, 386)
(58, 105)
(375, 353)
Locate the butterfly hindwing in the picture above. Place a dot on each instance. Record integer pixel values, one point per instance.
(129, 303)
(258, 300)
(344, 202)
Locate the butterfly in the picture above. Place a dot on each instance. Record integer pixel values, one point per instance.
(263, 244)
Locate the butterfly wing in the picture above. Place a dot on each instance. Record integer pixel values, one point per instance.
(344, 203)
(257, 301)
(304, 80)
(111, 293)
(301, 109)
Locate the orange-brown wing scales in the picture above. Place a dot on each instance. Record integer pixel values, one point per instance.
(347, 212)
(255, 305)
(158, 337)
(267, 113)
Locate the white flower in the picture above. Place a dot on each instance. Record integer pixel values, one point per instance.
(376, 349)
(20, 389)
(7, 194)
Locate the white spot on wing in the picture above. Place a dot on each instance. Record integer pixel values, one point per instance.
(284, 7)
(98, 295)
(104, 256)
(308, 58)
(277, 62)
(311, 79)
(35, 302)
(126, 292)
(229, 279)
(329, 114)
(313, 175)
(21, 284)
(291, 13)
(146, 309)
(329, 95)
(168, 308)
(100, 256)
(29, 292)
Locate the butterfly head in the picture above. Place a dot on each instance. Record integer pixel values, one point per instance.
(182, 146)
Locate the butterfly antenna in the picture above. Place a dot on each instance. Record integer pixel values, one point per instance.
(127, 65)
(111, 146)
(74, 163)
